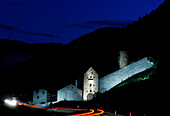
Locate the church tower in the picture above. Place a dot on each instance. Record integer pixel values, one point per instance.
(123, 59)
(90, 86)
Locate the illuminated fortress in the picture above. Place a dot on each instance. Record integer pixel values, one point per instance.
(92, 84)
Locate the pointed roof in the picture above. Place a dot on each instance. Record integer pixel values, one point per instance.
(91, 70)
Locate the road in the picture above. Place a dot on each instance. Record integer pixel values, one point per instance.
(91, 113)
(79, 112)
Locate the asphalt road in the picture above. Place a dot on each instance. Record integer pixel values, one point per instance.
(31, 110)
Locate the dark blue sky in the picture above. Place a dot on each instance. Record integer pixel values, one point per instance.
(61, 21)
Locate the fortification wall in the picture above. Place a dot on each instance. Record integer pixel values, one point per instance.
(111, 80)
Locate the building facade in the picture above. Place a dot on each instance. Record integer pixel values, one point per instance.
(40, 96)
(90, 85)
(69, 93)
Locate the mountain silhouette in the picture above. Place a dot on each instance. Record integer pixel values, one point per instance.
(47, 65)
(143, 32)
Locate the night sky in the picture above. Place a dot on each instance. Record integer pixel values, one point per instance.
(61, 21)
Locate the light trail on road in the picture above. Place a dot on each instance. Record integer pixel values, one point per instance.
(91, 113)
(84, 114)
(24, 104)
(97, 114)
(72, 109)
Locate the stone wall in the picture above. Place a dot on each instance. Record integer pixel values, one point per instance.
(123, 59)
(111, 80)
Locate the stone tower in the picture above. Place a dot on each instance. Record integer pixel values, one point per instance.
(40, 96)
(123, 59)
(90, 86)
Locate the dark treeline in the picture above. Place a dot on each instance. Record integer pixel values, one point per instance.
(25, 67)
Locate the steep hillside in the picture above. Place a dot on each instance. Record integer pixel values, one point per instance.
(148, 33)
(41, 64)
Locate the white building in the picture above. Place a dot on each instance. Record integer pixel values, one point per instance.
(40, 97)
(69, 93)
(90, 85)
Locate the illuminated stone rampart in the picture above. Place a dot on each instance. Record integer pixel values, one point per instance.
(113, 79)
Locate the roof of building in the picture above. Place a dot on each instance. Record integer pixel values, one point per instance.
(71, 86)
